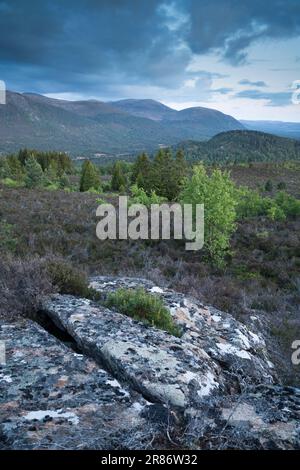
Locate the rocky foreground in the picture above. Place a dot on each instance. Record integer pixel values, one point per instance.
(101, 380)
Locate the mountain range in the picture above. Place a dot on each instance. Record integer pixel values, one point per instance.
(97, 129)
(86, 128)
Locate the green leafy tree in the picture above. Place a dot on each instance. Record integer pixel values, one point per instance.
(139, 196)
(90, 177)
(218, 194)
(118, 179)
(34, 174)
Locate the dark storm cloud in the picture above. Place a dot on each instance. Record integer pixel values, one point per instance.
(232, 25)
(274, 99)
(94, 45)
(249, 82)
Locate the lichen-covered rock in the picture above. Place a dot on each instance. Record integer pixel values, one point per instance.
(228, 342)
(53, 398)
(162, 367)
(133, 386)
(264, 417)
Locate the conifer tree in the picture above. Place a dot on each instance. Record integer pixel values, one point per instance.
(141, 174)
(15, 166)
(5, 171)
(50, 175)
(90, 177)
(161, 174)
(34, 173)
(118, 179)
(64, 181)
(178, 174)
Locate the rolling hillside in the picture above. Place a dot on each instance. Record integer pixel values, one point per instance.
(242, 146)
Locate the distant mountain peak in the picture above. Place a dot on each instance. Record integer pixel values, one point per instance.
(88, 127)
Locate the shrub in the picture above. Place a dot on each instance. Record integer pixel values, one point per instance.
(94, 191)
(281, 185)
(52, 187)
(139, 196)
(8, 243)
(289, 205)
(251, 203)
(106, 186)
(99, 201)
(23, 283)
(67, 279)
(276, 213)
(269, 186)
(140, 305)
(10, 183)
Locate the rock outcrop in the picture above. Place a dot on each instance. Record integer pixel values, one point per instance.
(229, 343)
(125, 378)
(54, 398)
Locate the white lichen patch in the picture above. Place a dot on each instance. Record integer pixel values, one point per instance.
(6, 378)
(255, 337)
(115, 384)
(138, 407)
(216, 318)
(157, 290)
(208, 386)
(168, 393)
(227, 348)
(243, 339)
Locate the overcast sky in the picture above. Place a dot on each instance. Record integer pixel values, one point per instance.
(238, 56)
